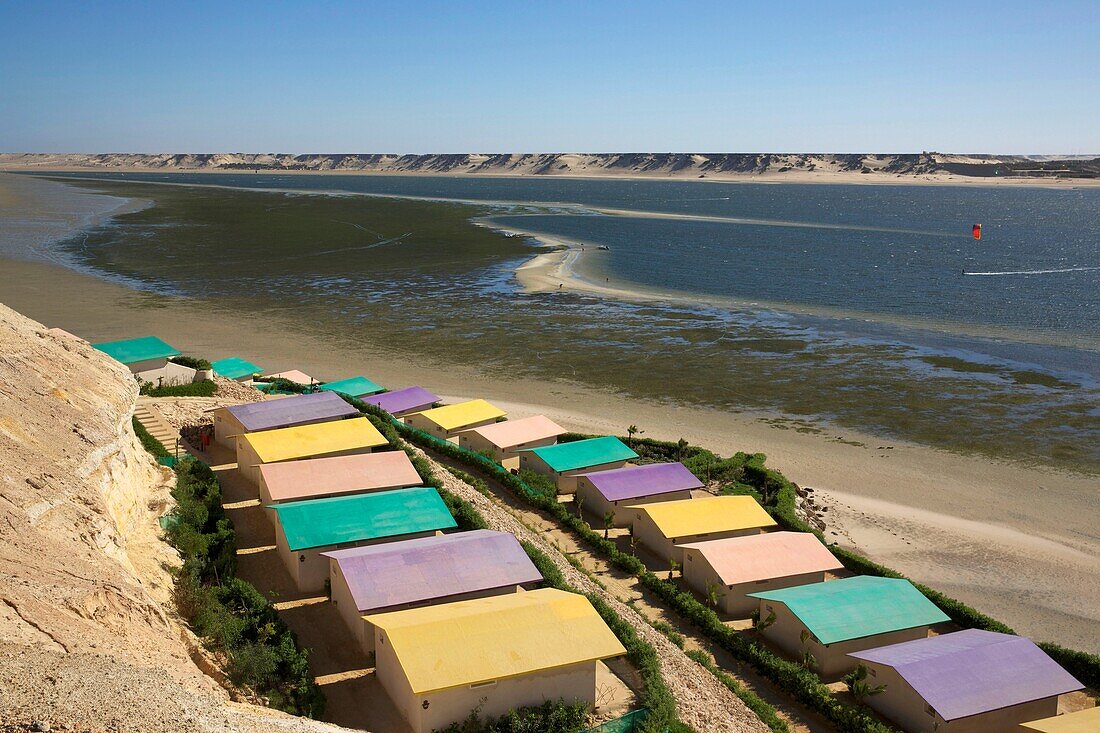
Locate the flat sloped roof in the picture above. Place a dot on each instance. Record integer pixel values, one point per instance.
(766, 556)
(511, 433)
(315, 439)
(402, 400)
(584, 453)
(353, 386)
(234, 367)
(1083, 721)
(452, 417)
(652, 479)
(292, 375)
(428, 568)
(973, 671)
(270, 414)
(291, 480)
(705, 515)
(130, 351)
(852, 608)
(333, 521)
(494, 638)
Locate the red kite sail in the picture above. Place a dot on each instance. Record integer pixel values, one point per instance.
(977, 231)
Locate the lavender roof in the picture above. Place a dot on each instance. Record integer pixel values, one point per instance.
(289, 411)
(430, 568)
(973, 671)
(403, 399)
(648, 480)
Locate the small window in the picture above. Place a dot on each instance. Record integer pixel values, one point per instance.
(769, 609)
(930, 710)
(480, 685)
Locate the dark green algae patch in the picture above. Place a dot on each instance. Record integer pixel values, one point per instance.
(419, 278)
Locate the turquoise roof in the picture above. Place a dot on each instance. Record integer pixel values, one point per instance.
(354, 386)
(234, 367)
(854, 608)
(584, 453)
(334, 521)
(131, 351)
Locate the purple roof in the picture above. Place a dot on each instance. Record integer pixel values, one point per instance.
(400, 400)
(648, 480)
(431, 568)
(287, 411)
(970, 672)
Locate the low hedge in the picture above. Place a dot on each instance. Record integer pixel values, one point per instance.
(192, 362)
(550, 717)
(148, 442)
(231, 615)
(207, 388)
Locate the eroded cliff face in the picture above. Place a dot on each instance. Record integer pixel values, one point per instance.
(88, 636)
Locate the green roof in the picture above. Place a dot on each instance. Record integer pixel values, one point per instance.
(325, 522)
(130, 351)
(584, 453)
(354, 387)
(234, 367)
(854, 608)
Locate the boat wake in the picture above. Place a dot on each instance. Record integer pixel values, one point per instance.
(1032, 272)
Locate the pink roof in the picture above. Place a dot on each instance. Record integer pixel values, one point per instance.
(316, 477)
(294, 376)
(514, 432)
(766, 556)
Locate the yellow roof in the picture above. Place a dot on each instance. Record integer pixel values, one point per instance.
(688, 517)
(452, 417)
(318, 439)
(468, 642)
(1083, 721)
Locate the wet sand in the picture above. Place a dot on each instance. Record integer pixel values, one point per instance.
(1017, 542)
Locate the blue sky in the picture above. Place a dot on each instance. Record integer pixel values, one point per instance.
(1008, 77)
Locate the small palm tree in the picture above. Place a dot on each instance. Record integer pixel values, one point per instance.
(608, 523)
(631, 432)
(633, 544)
(763, 623)
(673, 566)
(580, 505)
(857, 683)
(712, 594)
(681, 446)
(807, 659)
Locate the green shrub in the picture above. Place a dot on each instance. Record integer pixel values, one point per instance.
(278, 384)
(550, 717)
(207, 388)
(192, 362)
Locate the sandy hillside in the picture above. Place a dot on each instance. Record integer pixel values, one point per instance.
(88, 640)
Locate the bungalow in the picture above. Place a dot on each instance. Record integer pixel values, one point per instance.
(236, 420)
(664, 527)
(401, 402)
(147, 358)
(424, 572)
(306, 529)
(612, 491)
(438, 664)
(737, 566)
(448, 421)
(318, 478)
(317, 440)
(1082, 721)
(236, 368)
(831, 620)
(502, 440)
(565, 461)
(965, 682)
(356, 387)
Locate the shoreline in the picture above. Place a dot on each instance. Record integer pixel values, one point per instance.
(769, 178)
(911, 507)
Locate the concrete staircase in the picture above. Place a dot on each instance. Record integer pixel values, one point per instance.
(146, 414)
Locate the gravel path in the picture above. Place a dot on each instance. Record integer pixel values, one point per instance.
(704, 703)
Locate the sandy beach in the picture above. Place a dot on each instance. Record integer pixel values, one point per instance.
(1009, 539)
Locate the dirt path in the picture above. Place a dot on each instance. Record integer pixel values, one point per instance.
(627, 589)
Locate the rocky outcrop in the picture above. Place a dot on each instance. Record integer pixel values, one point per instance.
(667, 165)
(88, 636)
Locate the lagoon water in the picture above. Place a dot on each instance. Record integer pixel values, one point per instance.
(867, 306)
